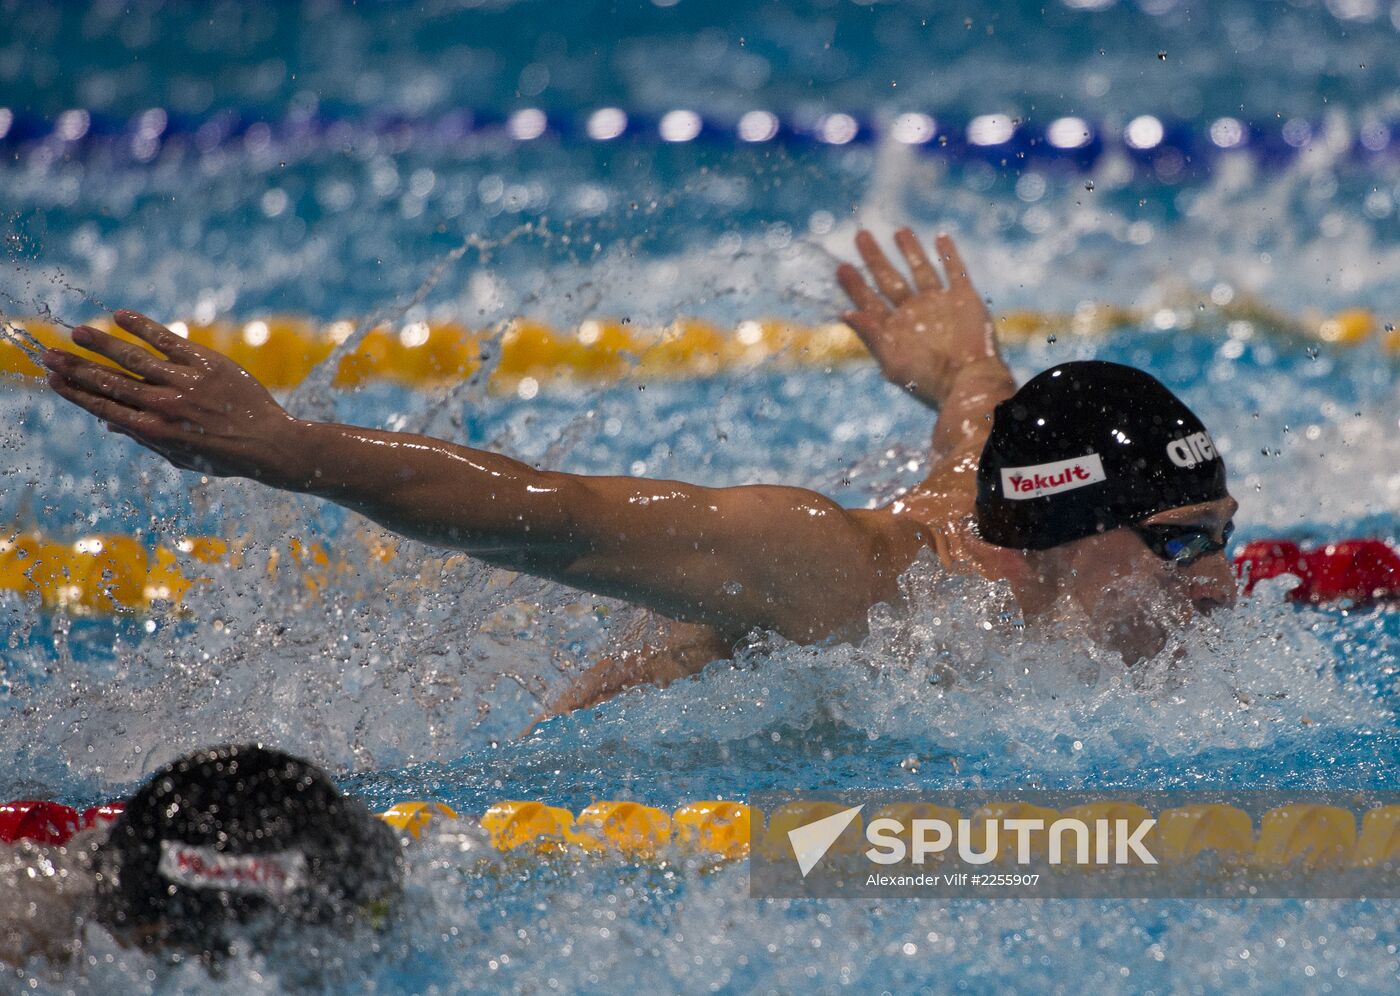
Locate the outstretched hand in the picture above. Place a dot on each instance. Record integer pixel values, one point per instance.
(189, 403)
(923, 334)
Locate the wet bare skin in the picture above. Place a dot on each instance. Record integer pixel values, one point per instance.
(716, 563)
(931, 333)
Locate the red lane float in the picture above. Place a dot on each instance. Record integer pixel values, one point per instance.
(49, 822)
(1357, 570)
(107, 812)
(41, 822)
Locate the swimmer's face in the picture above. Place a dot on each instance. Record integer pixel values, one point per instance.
(1134, 596)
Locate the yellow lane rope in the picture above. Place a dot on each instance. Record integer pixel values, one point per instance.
(1300, 833)
(281, 350)
(112, 573)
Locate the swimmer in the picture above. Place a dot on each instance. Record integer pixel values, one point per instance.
(1090, 474)
(226, 844)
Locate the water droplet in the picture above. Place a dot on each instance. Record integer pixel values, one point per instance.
(1051, 339)
(910, 764)
(733, 588)
(1390, 326)
(1088, 184)
(1162, 56)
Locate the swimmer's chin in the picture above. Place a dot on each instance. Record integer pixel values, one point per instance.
(1136, 640)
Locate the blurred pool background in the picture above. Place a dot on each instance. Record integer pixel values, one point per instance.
(479, 161)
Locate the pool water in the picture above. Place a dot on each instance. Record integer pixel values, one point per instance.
(412, 678)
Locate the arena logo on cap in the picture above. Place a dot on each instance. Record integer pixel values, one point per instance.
(1193, 449)
(1051, 478)
(272, 875)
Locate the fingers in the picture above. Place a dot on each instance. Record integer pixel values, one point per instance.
(104, 381)
(871, 307)
(864, 325)
(157, 335)
(890, 281)
(122, 421)
(122, 418)
(134, 358)
(925, 273)
(176, 461)
(953, 265)
(862, 296)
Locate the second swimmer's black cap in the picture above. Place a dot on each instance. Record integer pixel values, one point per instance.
(230, 835)
(1089, 446)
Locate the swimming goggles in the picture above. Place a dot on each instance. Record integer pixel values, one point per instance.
(1183, 545)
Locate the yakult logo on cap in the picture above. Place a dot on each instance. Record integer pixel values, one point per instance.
(271, 875)
(1052, 478)
(1195, 448)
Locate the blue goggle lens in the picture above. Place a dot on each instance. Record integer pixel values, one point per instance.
(1183, 545)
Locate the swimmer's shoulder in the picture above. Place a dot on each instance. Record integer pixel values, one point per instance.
(909, 527)
(946, 525)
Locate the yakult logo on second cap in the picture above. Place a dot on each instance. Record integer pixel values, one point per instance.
(269, 875)
(1052, 478)
(1193, 449)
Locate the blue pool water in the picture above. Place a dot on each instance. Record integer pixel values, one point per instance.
(411, 679)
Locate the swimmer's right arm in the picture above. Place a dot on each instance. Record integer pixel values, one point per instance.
(734, 558)
(931, 333)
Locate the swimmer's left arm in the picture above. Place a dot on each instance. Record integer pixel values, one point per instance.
(735, 559)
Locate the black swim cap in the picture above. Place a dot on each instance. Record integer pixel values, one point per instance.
(232, 835)
(1086, 447)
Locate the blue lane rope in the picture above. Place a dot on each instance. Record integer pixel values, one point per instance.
(1172, 149)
